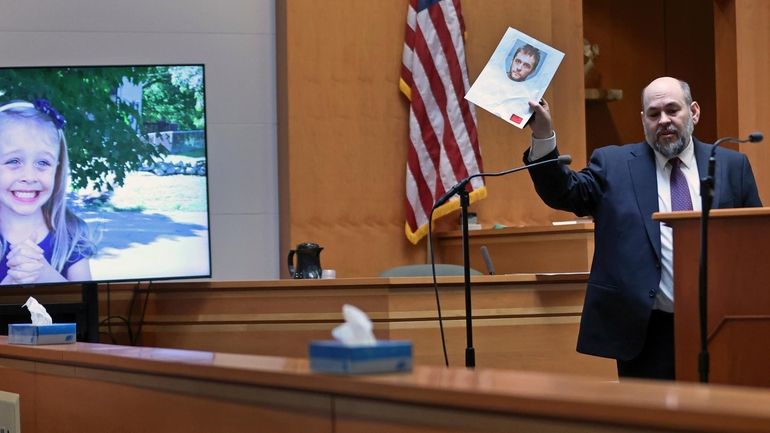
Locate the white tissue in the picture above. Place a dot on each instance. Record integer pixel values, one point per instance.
(37, 311)
(357, 329)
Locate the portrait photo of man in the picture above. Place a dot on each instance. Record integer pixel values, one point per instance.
(523, 62)
(518, 71)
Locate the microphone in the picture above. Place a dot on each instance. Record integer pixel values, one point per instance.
(754, 137)
(487, 260)
(561, 160)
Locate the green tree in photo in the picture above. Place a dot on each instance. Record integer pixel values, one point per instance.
(104, 133)
(175, 94)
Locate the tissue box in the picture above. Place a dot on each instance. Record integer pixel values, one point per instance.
(331, 356)
(27, 333)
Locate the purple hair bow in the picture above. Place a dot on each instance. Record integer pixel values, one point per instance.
(45, 107)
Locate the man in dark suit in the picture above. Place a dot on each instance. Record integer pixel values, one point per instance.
(628, 309)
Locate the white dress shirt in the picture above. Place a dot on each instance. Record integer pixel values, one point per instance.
(665, 298)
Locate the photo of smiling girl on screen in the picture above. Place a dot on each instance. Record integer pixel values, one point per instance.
(42, 240)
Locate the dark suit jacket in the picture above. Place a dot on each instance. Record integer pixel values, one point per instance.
(619, 190)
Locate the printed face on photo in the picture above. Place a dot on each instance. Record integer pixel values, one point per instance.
(522, 65)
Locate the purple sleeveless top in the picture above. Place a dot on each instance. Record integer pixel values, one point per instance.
(47, 246)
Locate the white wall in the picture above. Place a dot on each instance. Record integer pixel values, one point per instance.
(235, 39)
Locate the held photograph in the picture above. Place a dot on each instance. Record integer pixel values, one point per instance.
(519, 70)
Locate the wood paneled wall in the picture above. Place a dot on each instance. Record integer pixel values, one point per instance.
(639, 41)
(743, 78)
(343, 124)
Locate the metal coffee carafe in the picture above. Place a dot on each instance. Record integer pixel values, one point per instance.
(308, 261)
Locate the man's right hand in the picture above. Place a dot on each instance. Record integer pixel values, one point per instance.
(540, 122)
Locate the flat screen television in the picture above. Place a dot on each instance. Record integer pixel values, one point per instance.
(103, 174)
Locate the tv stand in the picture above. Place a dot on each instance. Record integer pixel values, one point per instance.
(90, 302)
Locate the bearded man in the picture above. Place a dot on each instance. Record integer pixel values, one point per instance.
(629, 303)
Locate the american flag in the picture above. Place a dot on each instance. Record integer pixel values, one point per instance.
(443, 142)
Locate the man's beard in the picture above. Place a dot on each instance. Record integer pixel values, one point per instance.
(671, 149)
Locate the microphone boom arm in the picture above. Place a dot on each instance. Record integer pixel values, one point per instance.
(459, 186)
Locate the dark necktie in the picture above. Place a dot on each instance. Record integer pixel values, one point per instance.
(680, 192)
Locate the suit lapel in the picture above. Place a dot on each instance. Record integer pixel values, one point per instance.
(702, 152)
(642, 168)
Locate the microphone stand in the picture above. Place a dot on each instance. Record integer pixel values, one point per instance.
(470, 353)
(707, 186)
(459, 189)
(707, 199)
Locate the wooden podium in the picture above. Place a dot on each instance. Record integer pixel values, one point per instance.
(738, 295)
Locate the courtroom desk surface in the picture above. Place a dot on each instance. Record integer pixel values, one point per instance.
(650, 404)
